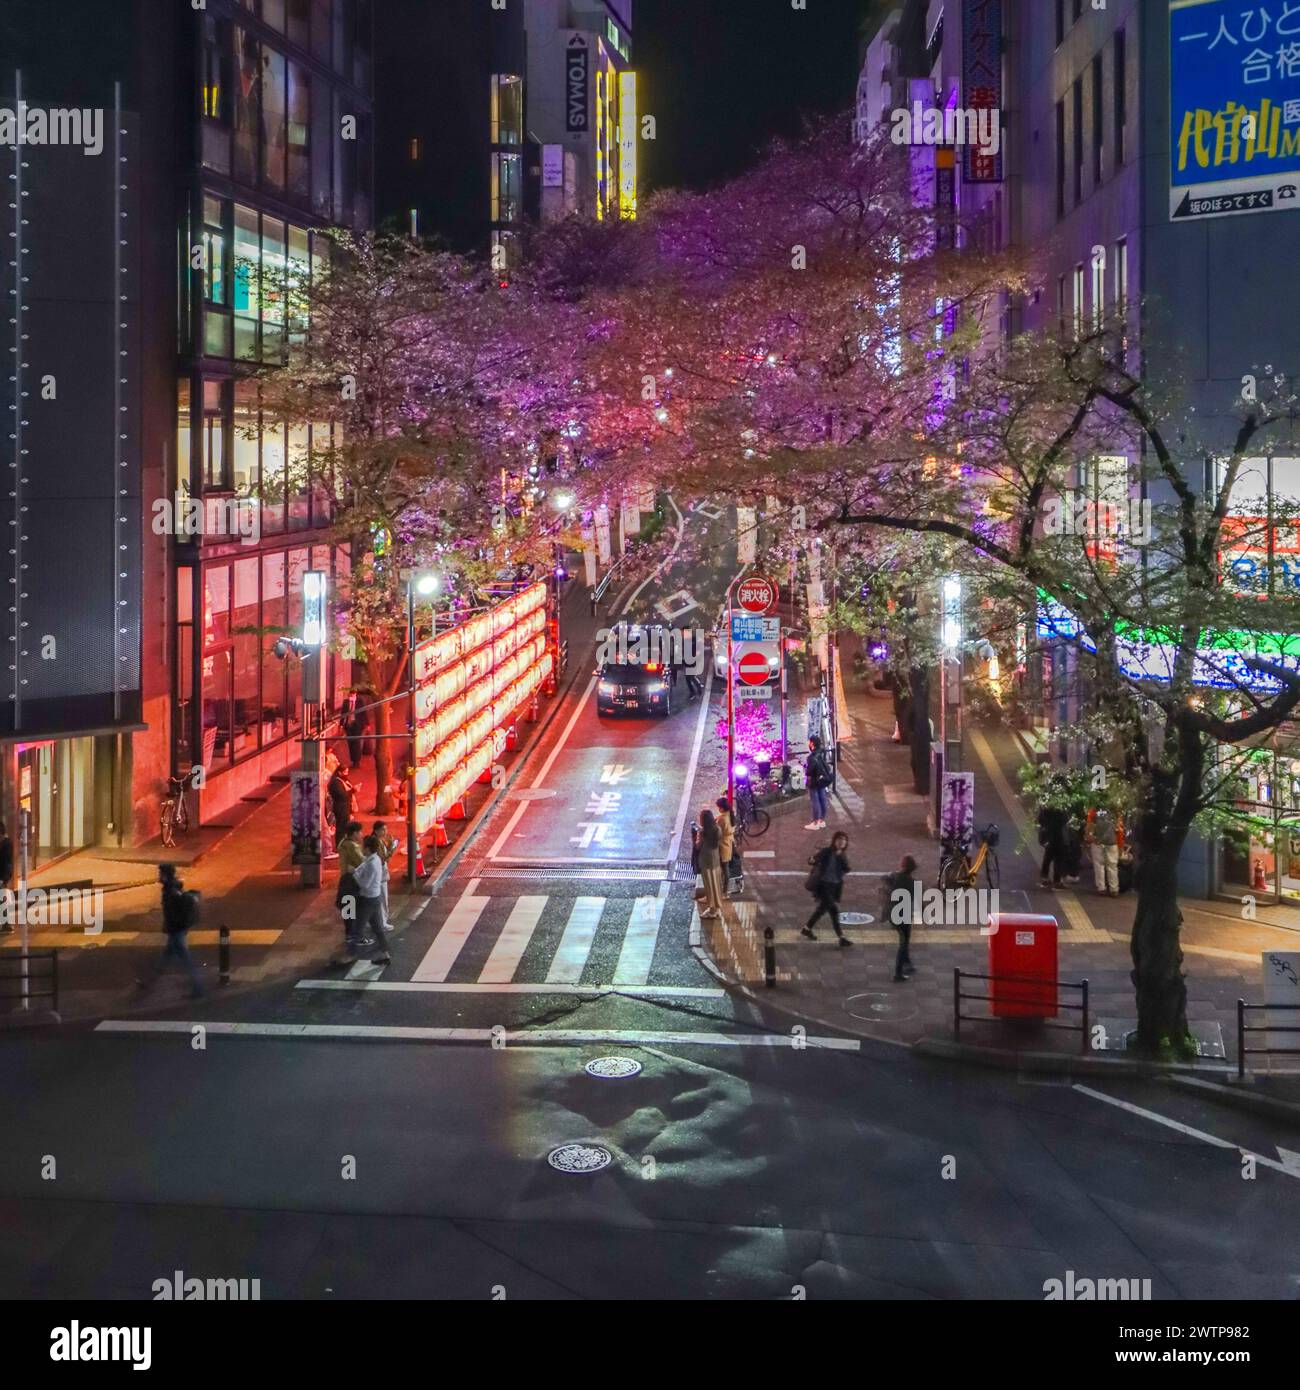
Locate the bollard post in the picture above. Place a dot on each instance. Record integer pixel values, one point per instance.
(1086, 1040)
(1241, 1039)
(769, 957)
(223, 954)
(956, 1002)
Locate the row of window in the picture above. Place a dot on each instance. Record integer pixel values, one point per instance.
(1073, 306)
(249, 699)
(1097, 141)
(336, 32)
(278, 127)
(281, 471)
(257, 272)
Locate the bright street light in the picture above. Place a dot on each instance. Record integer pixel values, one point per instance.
(562, 501)
(427, 584)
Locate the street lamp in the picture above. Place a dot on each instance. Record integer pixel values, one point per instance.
(310, 646)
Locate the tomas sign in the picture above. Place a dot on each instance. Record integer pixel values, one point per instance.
(1234, 108)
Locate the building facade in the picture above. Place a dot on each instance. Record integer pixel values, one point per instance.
(1124, 172)
(171, 521)
(531, 115)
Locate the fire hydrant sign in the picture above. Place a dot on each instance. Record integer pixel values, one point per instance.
(756, 594)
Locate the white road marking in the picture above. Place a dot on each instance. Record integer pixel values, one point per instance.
(513, 941)
(593, 833)
(526, 1038)
(614, 773)
(546, 767)
(688, 785)
(1185, 1129)
(638, 952)
(575, 944)
(441, 956)
(514, 987)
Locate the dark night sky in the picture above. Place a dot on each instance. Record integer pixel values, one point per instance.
(723, 77)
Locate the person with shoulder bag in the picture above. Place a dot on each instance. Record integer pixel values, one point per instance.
(899, 902)
(828, 869)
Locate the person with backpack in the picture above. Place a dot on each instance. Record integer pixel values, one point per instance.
(1102, 837)
(899, 909)
(828, 869)
(180, 912)
(820, 778)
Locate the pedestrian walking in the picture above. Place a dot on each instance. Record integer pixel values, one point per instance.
(900, 910)
(711, 864)
(1102, 837)
(732, 869)
(820, 778)
(828, 869)
(367, 931)
(387, 848)
(180, 912)
(1052, 822)
(6, 876)
(346, 893)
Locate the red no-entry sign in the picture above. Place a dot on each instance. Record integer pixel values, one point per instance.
(756, 594)
(753, 668)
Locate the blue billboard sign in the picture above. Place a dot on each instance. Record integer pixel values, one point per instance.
(1234, 107)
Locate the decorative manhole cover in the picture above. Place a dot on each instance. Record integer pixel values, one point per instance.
(531, 794)
(612, 1068)
(856, 919)
(579, 1158)
(874, 1007)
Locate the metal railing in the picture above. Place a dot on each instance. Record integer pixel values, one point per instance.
(1243, 1028)
(1081, 1008)
(20, 983)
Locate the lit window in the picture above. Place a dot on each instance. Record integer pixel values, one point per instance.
(1077, 317)
(415, 149)
(507, 110)
(507, 187)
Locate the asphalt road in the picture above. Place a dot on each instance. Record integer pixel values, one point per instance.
(386, 1134)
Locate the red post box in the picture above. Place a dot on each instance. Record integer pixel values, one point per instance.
(1022, 945)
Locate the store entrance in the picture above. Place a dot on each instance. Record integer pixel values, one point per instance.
(55, 787)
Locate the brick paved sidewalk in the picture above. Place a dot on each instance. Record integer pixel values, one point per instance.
(853, 990)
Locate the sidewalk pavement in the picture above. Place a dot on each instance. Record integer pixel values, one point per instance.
(242, 868)
(853, 989)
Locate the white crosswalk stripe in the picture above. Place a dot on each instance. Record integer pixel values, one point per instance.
(639, 942)
(575, 944)
(447, 945)
(565, 963)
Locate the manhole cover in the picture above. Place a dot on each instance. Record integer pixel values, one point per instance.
(579, 1158)
(856, 919)
(612, 1068)
(876, 1007)
(531, 794)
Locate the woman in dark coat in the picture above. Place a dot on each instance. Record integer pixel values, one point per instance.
(829, 868)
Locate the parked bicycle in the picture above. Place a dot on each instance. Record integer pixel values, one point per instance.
(174, 815)
(958, 870)
(752, 821)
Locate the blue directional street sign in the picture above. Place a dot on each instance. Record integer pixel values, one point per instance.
(747, 628)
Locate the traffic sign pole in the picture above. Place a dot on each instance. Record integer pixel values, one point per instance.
(731, 707)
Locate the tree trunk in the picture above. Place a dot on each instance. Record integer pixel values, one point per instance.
(380, 678)
(1157, 972)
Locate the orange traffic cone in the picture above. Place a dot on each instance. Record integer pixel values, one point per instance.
(440, 835)
(419, 862)
(1259, 881)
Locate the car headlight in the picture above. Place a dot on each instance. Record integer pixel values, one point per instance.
(605, 688)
